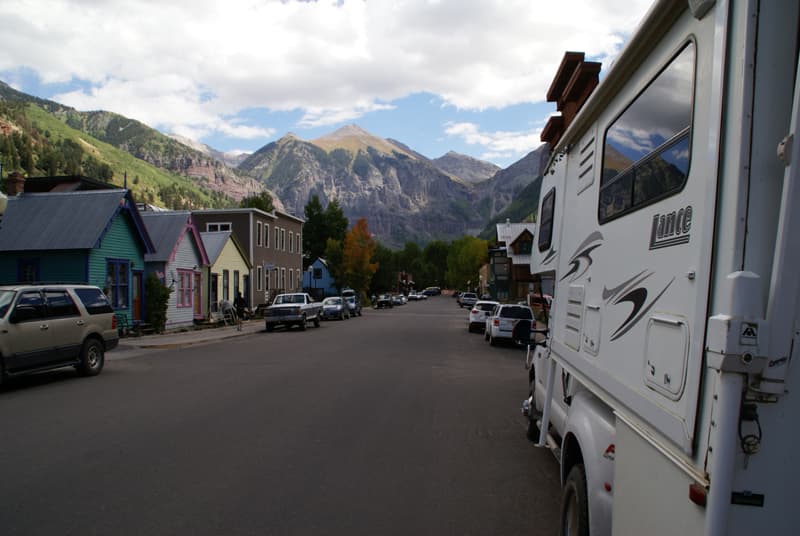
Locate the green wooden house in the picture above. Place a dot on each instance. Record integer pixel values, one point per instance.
(94, 237)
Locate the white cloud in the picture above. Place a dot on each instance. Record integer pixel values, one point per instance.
(498, 145)
(190, 64)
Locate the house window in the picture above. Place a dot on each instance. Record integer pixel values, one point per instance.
(283, 240)
(259, 228)
(291, 242)
(277, 238)
(218, 226)
(28, 271)
(647, 149)
(226, 281)
(235, 283)
(283, 278)
(117, 275)
(299, 247)
(259, 278)
(523, 247)
(266, 235)
(291, 279)
(184, 290)
(266, 280)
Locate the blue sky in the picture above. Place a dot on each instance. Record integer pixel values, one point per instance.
(437, 75)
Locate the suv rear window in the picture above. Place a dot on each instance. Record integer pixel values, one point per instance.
(516, 312)
(485, 306)
(94, 300)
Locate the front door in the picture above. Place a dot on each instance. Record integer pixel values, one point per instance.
(197, 288)
(137, 293)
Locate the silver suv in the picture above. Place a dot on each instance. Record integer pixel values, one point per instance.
(44, 327)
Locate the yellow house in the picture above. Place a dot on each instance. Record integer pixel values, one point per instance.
(228, 271)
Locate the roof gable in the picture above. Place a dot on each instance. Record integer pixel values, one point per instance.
(168, 229)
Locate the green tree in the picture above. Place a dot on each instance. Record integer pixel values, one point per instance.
(261, 201)
(320, 226)
(334, 253)
(385, 277)
(157, 296)
(466, 256)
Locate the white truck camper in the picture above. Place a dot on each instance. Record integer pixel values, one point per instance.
(669, 226)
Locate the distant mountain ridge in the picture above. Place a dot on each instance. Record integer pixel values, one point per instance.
(465, 167)
(403, 195)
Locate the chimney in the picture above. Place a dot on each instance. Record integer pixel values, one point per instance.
(15, 183)
(574, 82)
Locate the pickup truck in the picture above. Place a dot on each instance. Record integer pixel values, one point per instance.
(292, 309)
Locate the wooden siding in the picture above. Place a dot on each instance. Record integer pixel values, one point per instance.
(54, 266)
(230, 259)
(187, 257)
(121, 241)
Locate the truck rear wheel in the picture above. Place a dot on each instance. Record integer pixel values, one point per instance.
(574, 505)
(303, 323)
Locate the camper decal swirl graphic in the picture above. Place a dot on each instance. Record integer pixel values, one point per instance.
(582, 259)
(549, 258)
(628, 291)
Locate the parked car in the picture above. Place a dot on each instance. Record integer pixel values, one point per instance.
(384, 301)
(354, 304)
(500, 323)
(335, 307)
(44, 327)
(432, 291)
(296, 308)
(398, 299)
(478, 314)
(467, 299)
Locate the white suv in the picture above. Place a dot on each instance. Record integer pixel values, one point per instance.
(500, 323)
(43, 327)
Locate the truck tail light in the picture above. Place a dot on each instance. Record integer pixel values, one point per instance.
(496, 321)
(114, 322)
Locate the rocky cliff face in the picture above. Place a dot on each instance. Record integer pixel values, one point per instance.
(465, 167)
(403, 195)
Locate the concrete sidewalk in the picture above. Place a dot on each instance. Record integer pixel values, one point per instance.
(190, 337)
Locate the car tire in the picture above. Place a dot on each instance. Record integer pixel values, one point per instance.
(269, 327)
(92, 358)
(303, 323)
(574, 504)
(316, 321)
(492, 340)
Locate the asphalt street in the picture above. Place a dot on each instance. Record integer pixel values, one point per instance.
(397, 422)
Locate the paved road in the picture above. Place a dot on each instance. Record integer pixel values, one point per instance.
(398, 422)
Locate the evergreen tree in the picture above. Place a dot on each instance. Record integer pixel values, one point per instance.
(262, 201)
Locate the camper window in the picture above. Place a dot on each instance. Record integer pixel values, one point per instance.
(647, 151)
(546, 220)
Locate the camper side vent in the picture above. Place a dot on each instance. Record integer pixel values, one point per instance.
(574, 324)
(586, 162)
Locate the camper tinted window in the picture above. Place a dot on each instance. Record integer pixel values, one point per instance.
(646, 152)
(546, 220)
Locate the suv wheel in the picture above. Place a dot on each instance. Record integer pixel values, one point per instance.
(92, 358)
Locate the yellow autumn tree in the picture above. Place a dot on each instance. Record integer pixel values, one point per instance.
(357, 251)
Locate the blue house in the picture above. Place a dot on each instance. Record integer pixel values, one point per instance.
(317, 280)
(93, 236)
(178, 261)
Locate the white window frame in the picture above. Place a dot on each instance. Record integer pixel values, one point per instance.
(291, 278)
(299, 243)
(283, 240)
(283, 278)
(259, 233)
(259, 278)
(218, 226)
(291, 242)
(266, 235)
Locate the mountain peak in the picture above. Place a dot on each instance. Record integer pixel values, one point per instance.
(353, 138)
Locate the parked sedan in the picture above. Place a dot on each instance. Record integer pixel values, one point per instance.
(384, 301)
(467, 299)
(335, 307)
(479, 313)
(500, 324)
(354, 304)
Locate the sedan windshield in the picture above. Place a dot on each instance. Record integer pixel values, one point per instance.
(332, 301)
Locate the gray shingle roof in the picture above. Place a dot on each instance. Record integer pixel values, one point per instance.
(214, 243)
(64, 220)
(164, 229)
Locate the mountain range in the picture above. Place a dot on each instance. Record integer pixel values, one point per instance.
(404, 195)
